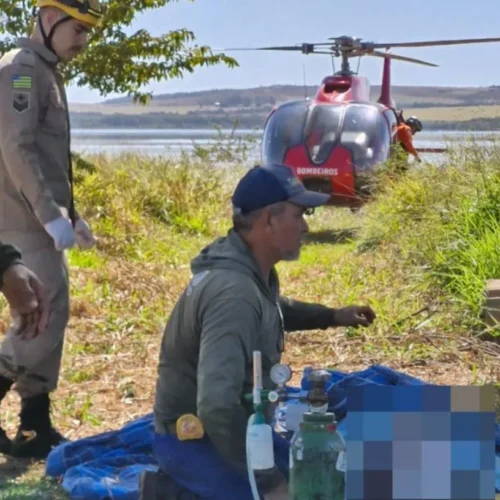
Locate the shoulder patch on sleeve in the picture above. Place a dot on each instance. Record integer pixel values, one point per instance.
(22, 82)
(21, 101)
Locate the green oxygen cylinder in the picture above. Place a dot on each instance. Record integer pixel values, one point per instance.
(317, 450)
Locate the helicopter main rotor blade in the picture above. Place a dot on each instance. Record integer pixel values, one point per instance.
(401, 58)
(354, 47)
(260, 48)
(346, 43)
(433, 43)
(306, 48)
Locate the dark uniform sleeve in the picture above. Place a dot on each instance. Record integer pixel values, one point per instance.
(19, 114)
(305, 316)
(9, 256)
(229, 326)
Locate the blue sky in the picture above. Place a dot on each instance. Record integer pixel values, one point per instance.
(252, 23)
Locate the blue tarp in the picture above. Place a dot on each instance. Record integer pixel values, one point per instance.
(107, 466)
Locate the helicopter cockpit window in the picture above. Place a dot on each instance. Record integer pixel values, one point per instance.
(360, 128)
(322, 131)
(365, 133)
(284, 130)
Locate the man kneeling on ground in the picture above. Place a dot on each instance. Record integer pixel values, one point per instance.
(232, 307)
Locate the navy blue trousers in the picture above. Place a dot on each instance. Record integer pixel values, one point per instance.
(197, 467)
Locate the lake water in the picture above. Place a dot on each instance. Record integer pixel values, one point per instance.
(173, 142)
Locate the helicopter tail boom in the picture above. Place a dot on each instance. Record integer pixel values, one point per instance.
(385, 92)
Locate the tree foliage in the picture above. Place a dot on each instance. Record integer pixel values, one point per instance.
(115, 62)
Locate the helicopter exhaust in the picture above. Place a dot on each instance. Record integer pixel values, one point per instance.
(385, 91)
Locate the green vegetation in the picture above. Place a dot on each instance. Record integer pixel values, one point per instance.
(32, 490)
(116, 61)
(446, 221)
(419, 253)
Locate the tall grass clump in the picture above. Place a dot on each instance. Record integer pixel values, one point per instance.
(444, 221)
(188, 194)
(135, 200)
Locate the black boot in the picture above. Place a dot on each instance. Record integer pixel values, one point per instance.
(35, 437)
(5, 443)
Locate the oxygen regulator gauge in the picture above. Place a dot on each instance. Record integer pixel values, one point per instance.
(281, 374)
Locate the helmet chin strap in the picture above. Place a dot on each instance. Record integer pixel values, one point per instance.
(47, 39)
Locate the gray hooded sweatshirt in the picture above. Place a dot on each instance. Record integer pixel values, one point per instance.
(227, 311)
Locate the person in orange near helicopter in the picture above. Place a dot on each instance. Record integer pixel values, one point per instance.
(405, 132)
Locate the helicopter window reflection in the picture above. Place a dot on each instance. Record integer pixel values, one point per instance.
(322, 131)
(284, 130)
(360, 128)
(366, 134)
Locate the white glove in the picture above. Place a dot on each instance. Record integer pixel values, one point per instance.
(61, 231)
(83, 234)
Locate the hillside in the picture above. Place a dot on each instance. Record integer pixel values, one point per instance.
(408, 96)
(439, 107)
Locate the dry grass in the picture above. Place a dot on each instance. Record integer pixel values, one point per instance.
(135, 109)
(151, 219)
(454, 113)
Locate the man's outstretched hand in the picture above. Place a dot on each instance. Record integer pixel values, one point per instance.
(354, 316)
(28, 298)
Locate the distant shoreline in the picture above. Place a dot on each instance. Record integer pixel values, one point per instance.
(230, 121)
(439, 108)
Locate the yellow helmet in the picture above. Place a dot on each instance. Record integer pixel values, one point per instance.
(85, 11)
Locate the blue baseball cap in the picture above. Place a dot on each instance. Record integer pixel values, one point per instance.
(264, 185)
